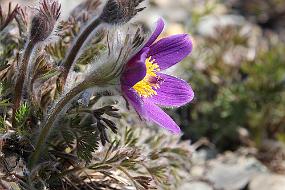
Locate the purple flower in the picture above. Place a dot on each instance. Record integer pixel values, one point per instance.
(145, 87)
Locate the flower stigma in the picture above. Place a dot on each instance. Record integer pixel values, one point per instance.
(148, 85)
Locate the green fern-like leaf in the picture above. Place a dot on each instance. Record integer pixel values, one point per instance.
(159, 173)
(21, 117)
(86, 145)
(5, 103)
(83, 138)
(130, 139)
(57, 50)
(2, 125)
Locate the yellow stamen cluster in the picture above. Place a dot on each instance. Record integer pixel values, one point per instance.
(146, 87)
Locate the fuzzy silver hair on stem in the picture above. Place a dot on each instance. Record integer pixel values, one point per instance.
(124, 46)
(42, 26)
(114, 12)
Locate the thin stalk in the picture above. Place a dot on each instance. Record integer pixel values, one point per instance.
(21, 78)
(129, 176)
(147, 169)
(55, 112)
(79, 41)
(80, 169)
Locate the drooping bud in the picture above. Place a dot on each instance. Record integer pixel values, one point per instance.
(42, 26)
(44, 21)
(120, 11)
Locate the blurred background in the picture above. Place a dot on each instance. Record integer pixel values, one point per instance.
(237, 70)
(236, 123)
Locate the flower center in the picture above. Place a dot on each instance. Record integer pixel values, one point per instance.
(148, 85)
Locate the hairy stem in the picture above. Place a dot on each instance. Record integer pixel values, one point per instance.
(79, 41)
(54, 114)
(21, 78)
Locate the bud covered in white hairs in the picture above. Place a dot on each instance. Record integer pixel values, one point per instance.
(44, 21)
(120, 11)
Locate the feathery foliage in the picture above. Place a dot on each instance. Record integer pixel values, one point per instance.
(71, 134)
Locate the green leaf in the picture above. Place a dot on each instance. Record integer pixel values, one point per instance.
(21, 117)
(2, 125)
(130, 138)
(159, 173)
(86, 145)
(5, 103)
(83, 138)
(57, 50)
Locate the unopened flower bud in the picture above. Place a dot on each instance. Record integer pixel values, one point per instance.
(120, 11)
(44, 21)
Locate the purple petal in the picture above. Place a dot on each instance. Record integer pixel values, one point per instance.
(158, 116)
(156, 33)
(172, 92)
(135, 69)
(134, 99)
(171, 50)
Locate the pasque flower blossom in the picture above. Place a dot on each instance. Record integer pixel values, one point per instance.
(144, 85)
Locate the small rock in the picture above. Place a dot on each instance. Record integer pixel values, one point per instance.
(234, 174)
(267, 182)
(198, 171)
(195, 186)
